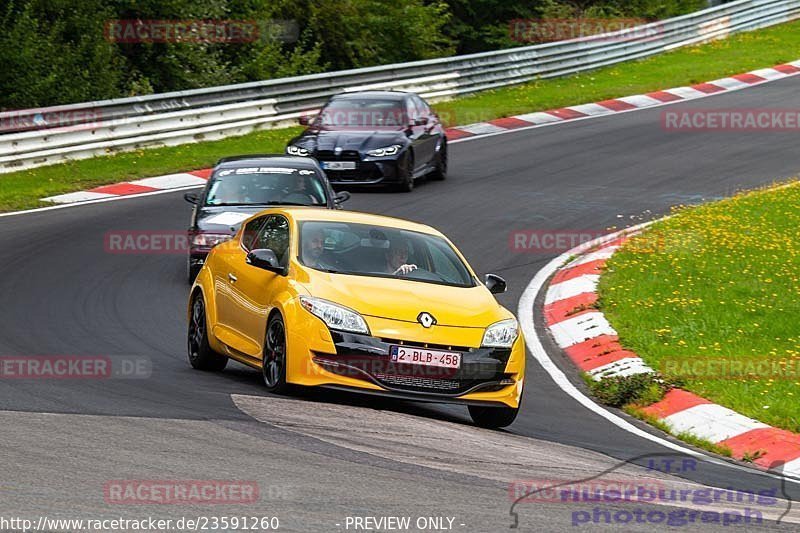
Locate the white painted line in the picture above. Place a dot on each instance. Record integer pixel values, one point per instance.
(481, 127)
(730, 83)
(603, 253)
(581, 328)
(769, 73)
(686, 93)
(171, 181)
(572, 287)
(624, 367)
(640, 100)
(539, 118)
(594, 110)
(792, 468)
(80, 196)
(711, 422)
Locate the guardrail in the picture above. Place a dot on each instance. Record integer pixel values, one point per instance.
(110, 126)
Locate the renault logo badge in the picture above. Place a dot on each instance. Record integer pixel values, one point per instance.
(426, 319)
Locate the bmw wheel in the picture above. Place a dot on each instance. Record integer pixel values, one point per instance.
(201, 356)
(273, 365)
(440, 171)
(405, 171)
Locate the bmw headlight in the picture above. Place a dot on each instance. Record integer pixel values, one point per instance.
(335, 316)
(386, 150)
(501, 334)
(209, 240)
(296, 150)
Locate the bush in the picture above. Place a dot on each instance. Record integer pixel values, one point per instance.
(637, 389)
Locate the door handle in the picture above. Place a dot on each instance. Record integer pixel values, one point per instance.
(232, 278)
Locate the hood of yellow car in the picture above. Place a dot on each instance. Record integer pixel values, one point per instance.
(398, 299)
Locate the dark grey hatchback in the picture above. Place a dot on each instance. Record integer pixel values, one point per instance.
(241, 186)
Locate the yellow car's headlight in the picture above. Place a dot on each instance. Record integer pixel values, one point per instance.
(501, 334)
(334, 315)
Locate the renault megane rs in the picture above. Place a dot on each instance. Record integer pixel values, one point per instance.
(359, 302)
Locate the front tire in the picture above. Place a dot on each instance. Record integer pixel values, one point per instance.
(440, 172)
(492, 417)
(273, 364)
(406, 173)
(201, 356)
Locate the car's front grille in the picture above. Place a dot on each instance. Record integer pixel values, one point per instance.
(416, 382)
(345, 155)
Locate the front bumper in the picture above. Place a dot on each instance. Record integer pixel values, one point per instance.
(363, 363)
(368, 171)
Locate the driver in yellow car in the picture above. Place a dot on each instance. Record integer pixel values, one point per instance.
(397, 257)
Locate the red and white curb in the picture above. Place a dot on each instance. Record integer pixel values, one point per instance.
(479, 129)
(195, 178)
(592, 344)
(628, 103)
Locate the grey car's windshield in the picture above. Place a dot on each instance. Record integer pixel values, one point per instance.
(266, 185)
(363, 112)
(368, 250)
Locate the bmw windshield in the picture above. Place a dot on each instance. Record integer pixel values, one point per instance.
(266, 186)
(378, 251)
(363, 113)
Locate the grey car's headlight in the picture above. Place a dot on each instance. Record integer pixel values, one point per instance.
(334, 315)
(209, 240)
(296, 150)
(501, 334)
(386, 150)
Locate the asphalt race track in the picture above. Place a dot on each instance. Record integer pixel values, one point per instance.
(321, 458)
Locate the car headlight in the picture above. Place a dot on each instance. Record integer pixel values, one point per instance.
(335, 316)
(209, 240)
(501, 334)
(296, 150)
(386, 150)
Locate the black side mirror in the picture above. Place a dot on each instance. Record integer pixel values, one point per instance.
(495, 284)
(341, 197)
(265, 259)
(304, 120)
(192, 198)
(421, 121)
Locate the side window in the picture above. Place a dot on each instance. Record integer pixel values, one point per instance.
(275, 236)
(250, 232)
(411, 107)
(423, 108)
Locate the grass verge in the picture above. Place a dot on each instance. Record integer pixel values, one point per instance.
(711, 297)
(740, 53)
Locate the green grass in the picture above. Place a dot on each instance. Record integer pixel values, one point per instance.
(718, 283)
(686, 66)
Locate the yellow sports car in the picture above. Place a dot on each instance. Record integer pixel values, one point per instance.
(358, 302)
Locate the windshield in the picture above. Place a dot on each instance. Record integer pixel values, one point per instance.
(360, 112)
(266, 186)
(379, 251)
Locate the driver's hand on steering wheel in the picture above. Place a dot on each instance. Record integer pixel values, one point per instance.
(405, 269)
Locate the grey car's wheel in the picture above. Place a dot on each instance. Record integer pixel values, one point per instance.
(201, 356)
(273, 365)
(492, 417)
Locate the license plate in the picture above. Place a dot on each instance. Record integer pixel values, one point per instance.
(422, 356)
(339, 165)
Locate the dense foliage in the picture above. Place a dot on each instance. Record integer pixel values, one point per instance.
(60, 51)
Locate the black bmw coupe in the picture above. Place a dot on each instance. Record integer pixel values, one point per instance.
(386, 138)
